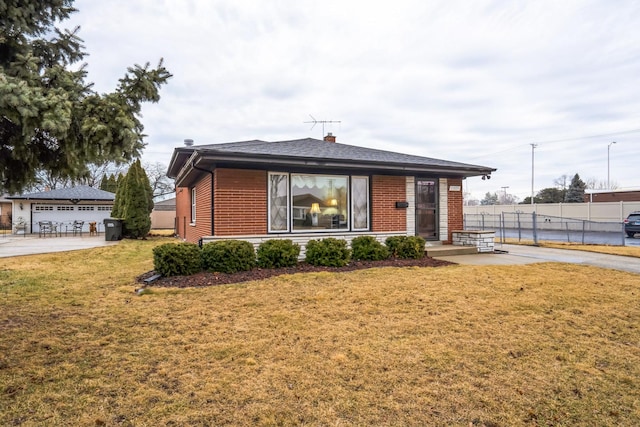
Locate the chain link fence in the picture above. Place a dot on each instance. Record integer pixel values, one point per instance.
(534, 227)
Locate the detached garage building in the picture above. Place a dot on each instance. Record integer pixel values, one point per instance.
(64, 206)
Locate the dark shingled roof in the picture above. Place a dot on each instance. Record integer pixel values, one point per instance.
(308, 151)
(81, 192)
(316, 149)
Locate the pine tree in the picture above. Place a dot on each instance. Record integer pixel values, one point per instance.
(575, 193)
(50, 119)
(104, 183)
(134, 202)
(112, 184)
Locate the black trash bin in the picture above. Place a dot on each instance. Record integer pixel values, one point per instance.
(112, 229)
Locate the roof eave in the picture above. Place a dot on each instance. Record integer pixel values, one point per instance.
(202, 160)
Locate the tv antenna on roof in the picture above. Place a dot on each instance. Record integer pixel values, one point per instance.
(315, 122)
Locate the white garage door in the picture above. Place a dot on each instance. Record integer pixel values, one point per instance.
(65, 215)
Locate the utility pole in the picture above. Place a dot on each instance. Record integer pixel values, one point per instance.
(533, 147)
(608, 169)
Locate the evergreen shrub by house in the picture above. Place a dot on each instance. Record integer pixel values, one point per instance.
(329, 252)
(367, 248)
(406, 246)
(228, 256)
(278, 253)
(177, 259)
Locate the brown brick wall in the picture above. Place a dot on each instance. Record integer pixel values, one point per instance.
(624, 196)
(202, 227)
(454, 205)
(240, 202)
(183, 210)
(385, 192)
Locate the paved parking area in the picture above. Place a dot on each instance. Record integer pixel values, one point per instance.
(30, 245)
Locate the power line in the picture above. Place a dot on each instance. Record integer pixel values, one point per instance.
(519, 145)
(591, 136)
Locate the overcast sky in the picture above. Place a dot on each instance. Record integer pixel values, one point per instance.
(469, 81)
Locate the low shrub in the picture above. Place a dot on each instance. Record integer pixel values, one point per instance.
(367, 248)
(329, 252)
(392, 244)
(177, 259)
(278, 253)
(406, 246)
(228, 256)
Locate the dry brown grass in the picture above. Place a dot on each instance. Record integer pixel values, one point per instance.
(542, 344)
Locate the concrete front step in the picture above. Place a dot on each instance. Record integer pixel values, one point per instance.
(449, 250)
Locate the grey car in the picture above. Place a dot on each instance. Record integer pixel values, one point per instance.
(632, 224)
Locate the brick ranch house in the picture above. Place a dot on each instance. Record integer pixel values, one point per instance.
(309, 189)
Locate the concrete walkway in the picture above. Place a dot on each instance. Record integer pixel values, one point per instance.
(13, 245)
(519, 254)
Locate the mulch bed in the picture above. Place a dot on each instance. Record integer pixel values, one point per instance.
(213, 279)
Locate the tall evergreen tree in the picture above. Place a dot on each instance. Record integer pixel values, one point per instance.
(104, 183)
(112, 184)
(134, 202)
(50, 119)
(575, 193)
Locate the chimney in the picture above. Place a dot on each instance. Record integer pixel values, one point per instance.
(188, 142)
(330, 137)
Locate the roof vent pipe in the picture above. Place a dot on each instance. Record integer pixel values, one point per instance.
(188, 142)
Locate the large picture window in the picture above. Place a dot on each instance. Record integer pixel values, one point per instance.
(310, 202)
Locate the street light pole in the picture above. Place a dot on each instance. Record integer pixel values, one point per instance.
(608, 169)
(533, 147)
(504, 199)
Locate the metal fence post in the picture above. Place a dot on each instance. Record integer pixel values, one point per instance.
(502, 226)
(583, 225)
(624, 242)
(519, 227)
(534, 218)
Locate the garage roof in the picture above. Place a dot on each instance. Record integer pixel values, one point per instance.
(75, 194)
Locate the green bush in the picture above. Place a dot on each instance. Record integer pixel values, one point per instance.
(406, 246)
(228, 256)
(329, 252)
(392, 244)
(177, 259)
(277, 253)
(367, 248)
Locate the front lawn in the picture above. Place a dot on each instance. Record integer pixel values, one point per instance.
(541, 344)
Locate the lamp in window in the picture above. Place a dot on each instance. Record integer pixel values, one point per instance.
(315, 210)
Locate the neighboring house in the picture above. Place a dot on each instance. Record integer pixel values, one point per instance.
(309, 189)
(5, 212)
(601, 196)
(66, 205)
(163, 215)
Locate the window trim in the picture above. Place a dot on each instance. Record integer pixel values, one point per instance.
(193, 205)
(367, 198)
(290, 208)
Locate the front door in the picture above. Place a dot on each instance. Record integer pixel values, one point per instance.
(427, 208)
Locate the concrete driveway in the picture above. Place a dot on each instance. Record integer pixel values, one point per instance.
(519, 254)
(29, 245)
